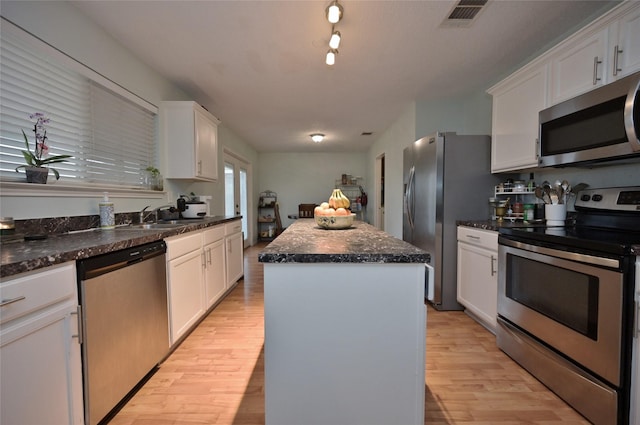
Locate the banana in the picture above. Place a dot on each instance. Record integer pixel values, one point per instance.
(338, 200)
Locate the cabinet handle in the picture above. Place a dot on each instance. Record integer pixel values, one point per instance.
(493, 269)
(477, 238)
(595, 70)
(203, 257)
(616, 54)
(209, 256)
(11, 300)
(200, 165)
(78, 314)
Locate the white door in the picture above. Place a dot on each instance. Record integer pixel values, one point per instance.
(236, 191)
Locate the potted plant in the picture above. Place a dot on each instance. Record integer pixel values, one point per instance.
(154, 178)
(36, 167)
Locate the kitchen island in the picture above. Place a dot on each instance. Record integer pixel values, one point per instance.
(345, 326)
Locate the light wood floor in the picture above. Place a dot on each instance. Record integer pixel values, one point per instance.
(216, 376)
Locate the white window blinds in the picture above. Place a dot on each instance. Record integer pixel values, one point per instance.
(111, 138)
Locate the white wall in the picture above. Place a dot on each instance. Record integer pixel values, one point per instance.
(305, 178)
(391, 143)
(68, 30)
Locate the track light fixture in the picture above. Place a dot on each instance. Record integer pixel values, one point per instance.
(317, 137)
(331, 57)
(334, 12)
(334, 41)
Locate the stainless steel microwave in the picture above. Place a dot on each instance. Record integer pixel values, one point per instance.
(601, 125)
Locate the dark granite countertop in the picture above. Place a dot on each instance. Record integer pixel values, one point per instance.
(496, 226)
(19, 256)
(305, 242)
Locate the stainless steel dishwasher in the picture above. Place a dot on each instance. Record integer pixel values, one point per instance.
(125, 332)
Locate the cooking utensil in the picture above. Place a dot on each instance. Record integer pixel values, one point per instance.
(553, 195)
(539, 193)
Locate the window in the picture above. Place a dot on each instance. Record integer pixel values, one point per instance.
(110, 135)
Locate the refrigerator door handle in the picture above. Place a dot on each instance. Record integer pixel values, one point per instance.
(409, 199)
(429, 282)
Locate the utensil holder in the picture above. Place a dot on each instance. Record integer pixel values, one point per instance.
(555, 214)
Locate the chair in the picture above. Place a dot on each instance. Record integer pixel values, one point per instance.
(279, 228)
(306, 210)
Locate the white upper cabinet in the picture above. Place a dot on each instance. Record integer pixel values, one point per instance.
(598, 54)
(516, 104)
(579, 67)
(625, 44)
(189, 134)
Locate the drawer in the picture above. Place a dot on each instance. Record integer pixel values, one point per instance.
(479, 237)
(183, 244)
(39, 288)
(213, 234)
(233, 227)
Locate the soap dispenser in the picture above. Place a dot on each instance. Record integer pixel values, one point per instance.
(107, 214)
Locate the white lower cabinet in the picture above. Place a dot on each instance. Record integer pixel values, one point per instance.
(235, 254)
(199, 264)
(185, 270)
(39, 349)
(478, 274)
(214, 270)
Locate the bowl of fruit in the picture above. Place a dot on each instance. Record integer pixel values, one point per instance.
(334, 214)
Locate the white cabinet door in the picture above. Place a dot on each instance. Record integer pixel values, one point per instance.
(478, 275)
(578, 68)
(214, 274)
(189, 135)
(206, 147)
(186, 293)
(234, 258)
(40, 359)
(516, 104)
(625, 46)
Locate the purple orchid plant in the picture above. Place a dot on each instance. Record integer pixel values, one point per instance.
(39, 158)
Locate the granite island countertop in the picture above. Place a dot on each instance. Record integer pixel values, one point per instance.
(19, 256)
(305, 242)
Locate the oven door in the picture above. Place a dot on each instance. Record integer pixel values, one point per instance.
(571, 302)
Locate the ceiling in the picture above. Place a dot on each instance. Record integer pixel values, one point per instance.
(259, 65)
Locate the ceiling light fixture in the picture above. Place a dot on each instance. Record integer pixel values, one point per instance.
(334, 42)
(317, 137)
(331, 56)
(334, 12)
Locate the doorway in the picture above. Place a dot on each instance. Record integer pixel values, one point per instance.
(236, 191)
(379, 192)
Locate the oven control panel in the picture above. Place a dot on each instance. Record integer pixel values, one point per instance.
(611, 198)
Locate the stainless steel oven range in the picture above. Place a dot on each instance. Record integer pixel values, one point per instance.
(566, 306)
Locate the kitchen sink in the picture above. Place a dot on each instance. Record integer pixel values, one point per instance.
(153, 226)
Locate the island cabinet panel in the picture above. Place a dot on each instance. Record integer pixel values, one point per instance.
(344, 343)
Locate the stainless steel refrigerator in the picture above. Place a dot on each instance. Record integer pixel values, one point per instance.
(447, 177)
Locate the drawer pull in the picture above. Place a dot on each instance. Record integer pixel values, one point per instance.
(11, 300)
(477, 238)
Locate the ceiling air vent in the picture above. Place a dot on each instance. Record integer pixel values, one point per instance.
(464, 13)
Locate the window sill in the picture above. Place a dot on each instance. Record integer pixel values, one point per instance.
(72, 191)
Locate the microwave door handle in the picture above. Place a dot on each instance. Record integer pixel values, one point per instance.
(630, 111)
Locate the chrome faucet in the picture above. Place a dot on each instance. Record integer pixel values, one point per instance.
(141, 214)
